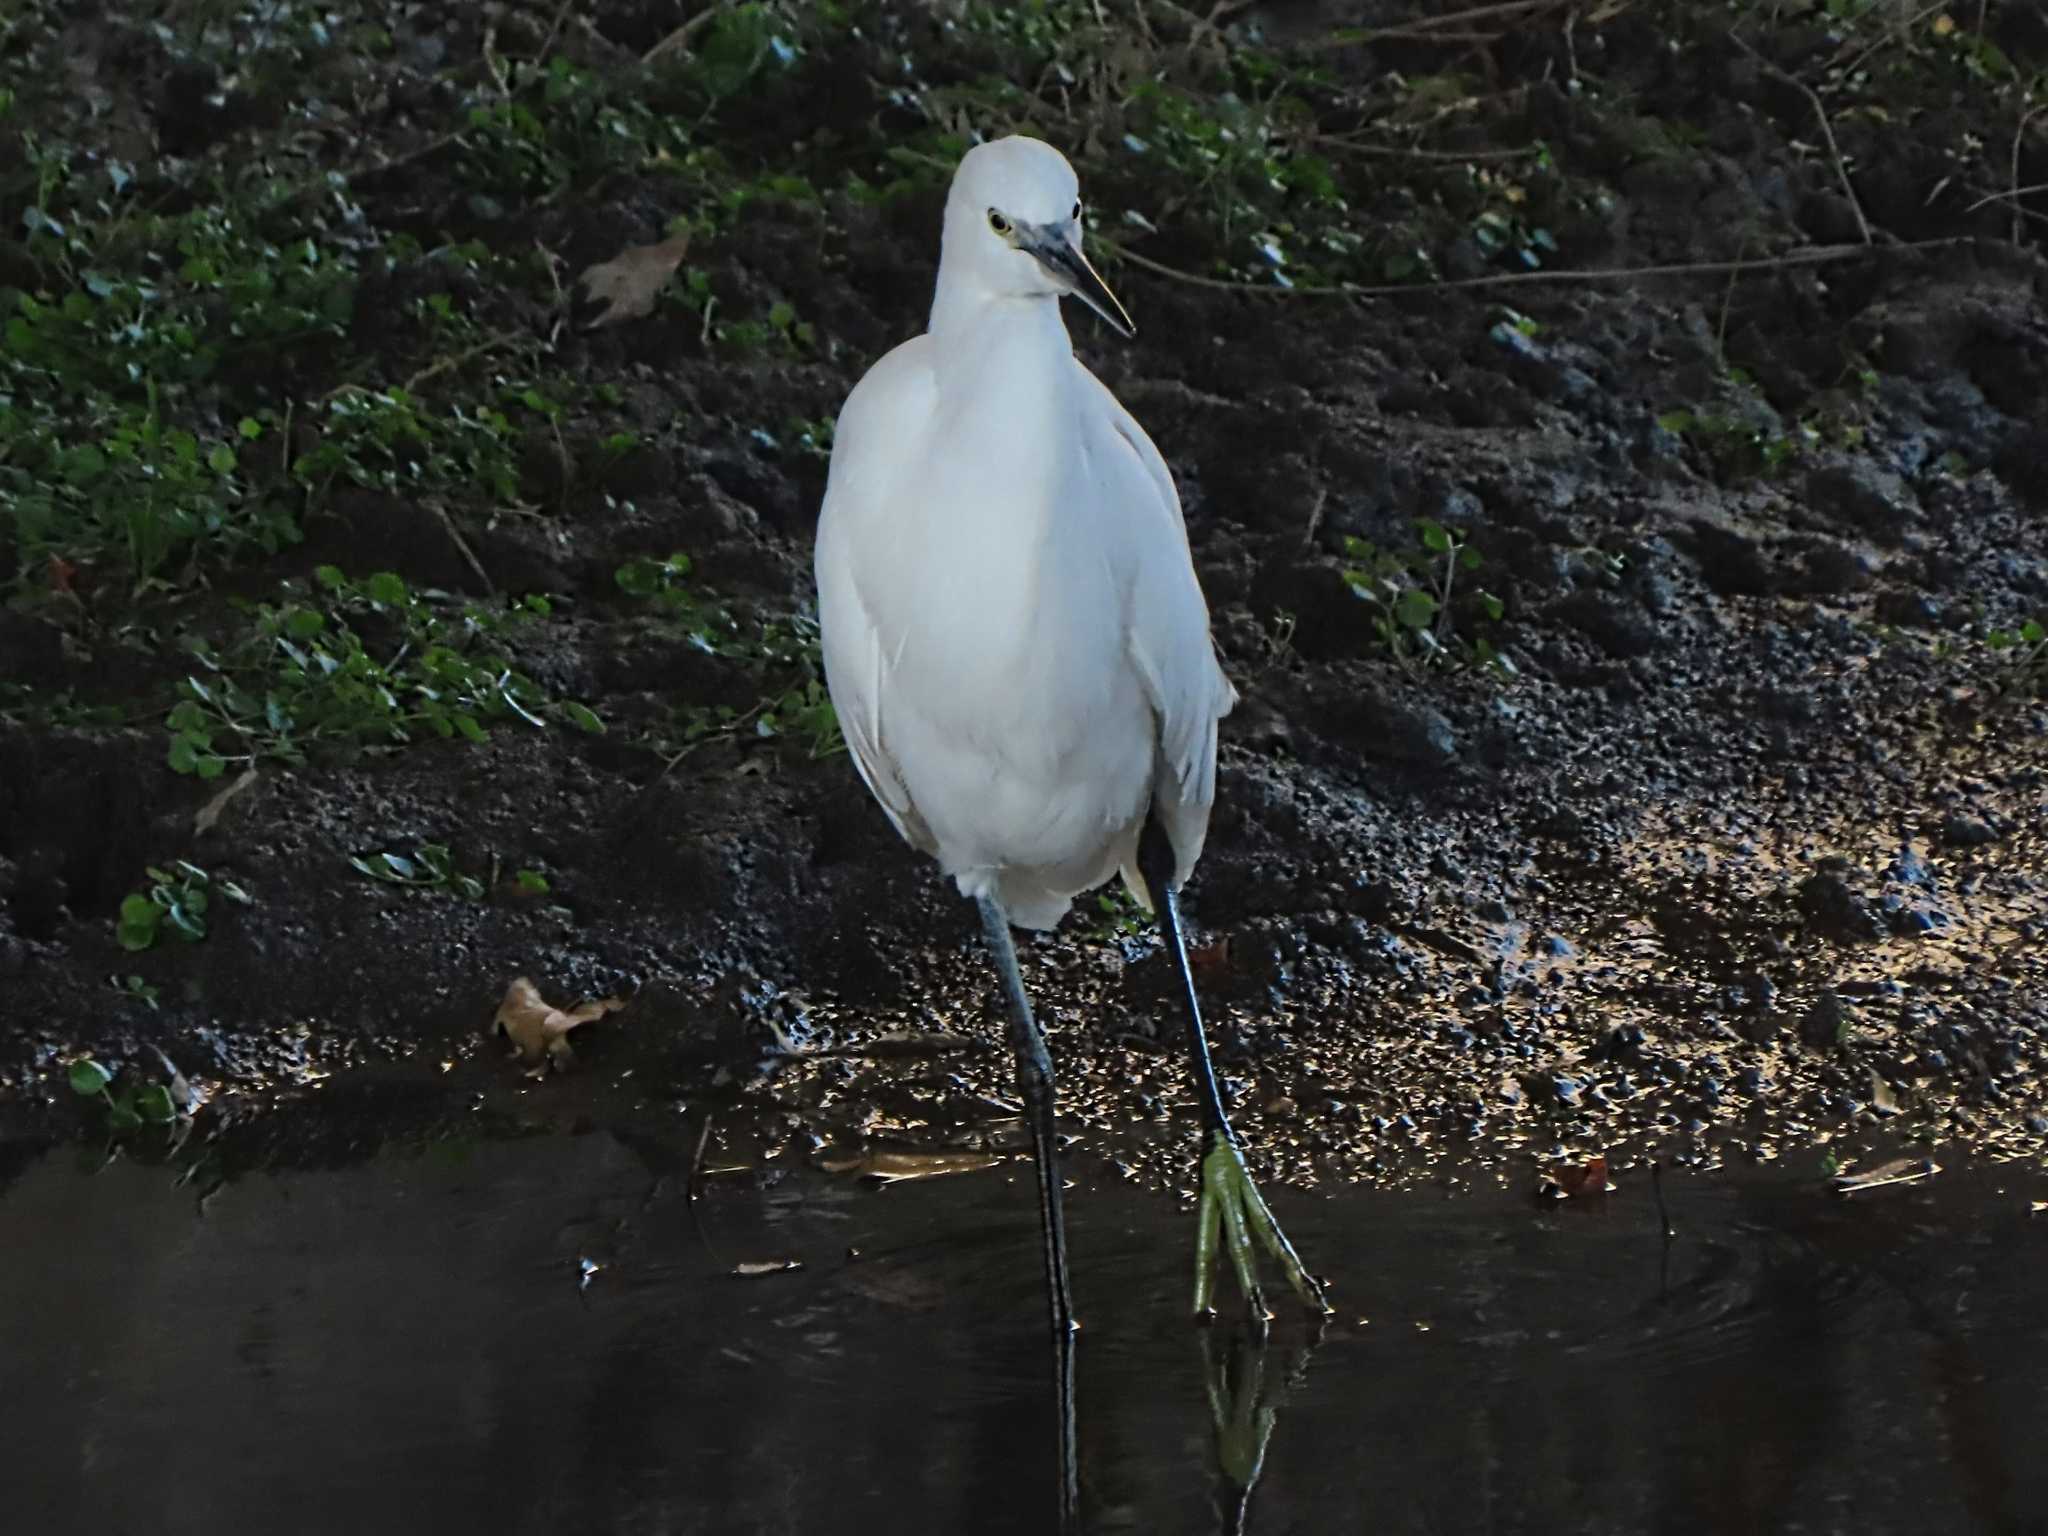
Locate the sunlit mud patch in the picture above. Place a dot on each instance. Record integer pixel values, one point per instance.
(1722, 981)
(452, 1330)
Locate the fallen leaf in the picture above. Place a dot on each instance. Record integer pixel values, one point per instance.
(209, 813)
(1900, 1170)
(1576, 1181)
(1211, 959)
(538, 1029)
(62, 574)
(629, 283)
(768, 1267)
(900, 1167)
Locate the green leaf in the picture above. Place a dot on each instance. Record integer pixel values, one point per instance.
(221, 460)
(88, 1077)
(210, 766)
(250, 428)
(584, 716)
(1680, 422)
(467, 725)
(1435, 537)
(1470, 558)
(1415, 609)
(330, 577)
(532, 881)
(387, 588)
(183, 756)
(82, 463)
(122, 1117)
(304, 623)
(154, 1105)
(1494, 606)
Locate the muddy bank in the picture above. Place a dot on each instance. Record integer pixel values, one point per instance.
(1745, 854)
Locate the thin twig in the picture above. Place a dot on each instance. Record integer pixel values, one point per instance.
(680, 38)
(1445, 28)
(1827, 129)
(2019, 134)
(469, 555)
(1728, 302)
(1805, 256)
(2007, 196)
(547, 43)
(432, 146)
(1402, 152)
(455, 360)
(1902, 32)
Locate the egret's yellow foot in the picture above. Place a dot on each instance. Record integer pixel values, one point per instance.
(1233, 1210)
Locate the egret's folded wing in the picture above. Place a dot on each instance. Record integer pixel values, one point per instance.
(854, 532)
(1167, 640)
(1168, 621)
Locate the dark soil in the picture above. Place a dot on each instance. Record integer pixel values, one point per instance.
(1750, 850)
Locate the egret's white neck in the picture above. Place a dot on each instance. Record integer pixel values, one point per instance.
(960, 304)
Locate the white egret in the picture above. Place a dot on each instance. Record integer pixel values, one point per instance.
(1015, 641)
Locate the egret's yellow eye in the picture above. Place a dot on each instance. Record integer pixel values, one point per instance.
(998, 223)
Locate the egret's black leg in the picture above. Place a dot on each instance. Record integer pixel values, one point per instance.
(1035, 1083)
(1231, 1207)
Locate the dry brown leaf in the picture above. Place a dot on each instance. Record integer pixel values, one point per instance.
(1577, 1181)
(538, 1029)
(631, 281)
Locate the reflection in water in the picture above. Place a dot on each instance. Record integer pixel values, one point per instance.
(1244, 1410)
(408, 1345)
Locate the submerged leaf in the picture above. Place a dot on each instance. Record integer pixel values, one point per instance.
(1900, 1170)
(891, 1167)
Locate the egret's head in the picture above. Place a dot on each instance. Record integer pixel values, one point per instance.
(1013, 228)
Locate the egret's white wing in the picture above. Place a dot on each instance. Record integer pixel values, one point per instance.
(887, 408)
(1168, 638)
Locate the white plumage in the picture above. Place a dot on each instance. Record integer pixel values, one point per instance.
(1018, 649)
(1014, 638)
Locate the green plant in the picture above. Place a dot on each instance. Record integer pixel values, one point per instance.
(136, 1105)
(306, 672)
(1117, 916)
(1411, 593)
(430, 867)
(175, 904)
(2026, 650)
(135, 988)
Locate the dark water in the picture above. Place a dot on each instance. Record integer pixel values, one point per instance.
(408, 1345)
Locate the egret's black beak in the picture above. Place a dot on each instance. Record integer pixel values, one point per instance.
(1058, 249)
